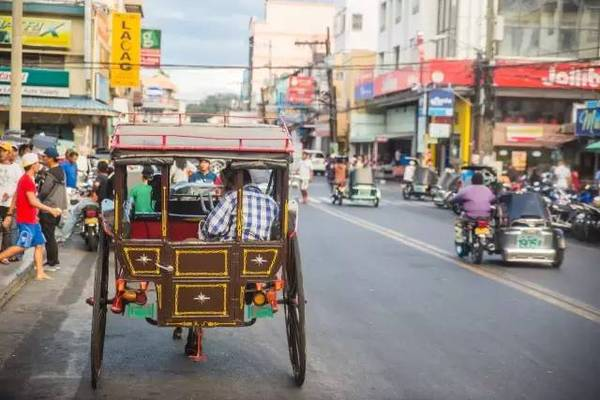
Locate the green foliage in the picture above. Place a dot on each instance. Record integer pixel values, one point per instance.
(213, 104)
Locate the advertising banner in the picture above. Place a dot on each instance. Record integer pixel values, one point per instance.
(442, 72)
(151, 39)
(588, 122)
(126, 49)
(38, 32)
(38, 82)
(583, 76)
(301, 90)
(524, 133)
(441, 103)
(364, 88)
(439, 131)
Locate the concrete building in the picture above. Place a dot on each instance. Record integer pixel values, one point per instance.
(157, 100)
(273, 40)
(355, 33)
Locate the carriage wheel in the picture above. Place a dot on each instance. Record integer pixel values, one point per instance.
(294, 312)
(100, 306)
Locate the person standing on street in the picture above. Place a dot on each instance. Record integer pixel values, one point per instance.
(52, 193)
(69, 167)
(9, 176)
(562, 176)
(305, 171)
(26, 204)
(101, 184)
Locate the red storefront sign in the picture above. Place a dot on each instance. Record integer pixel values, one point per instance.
(582, 76)
(301, 90)
(442, 72)
(151, 57)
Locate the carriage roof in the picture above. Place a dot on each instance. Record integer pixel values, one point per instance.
(245, 141)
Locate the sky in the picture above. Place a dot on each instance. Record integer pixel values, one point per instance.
(203, 32)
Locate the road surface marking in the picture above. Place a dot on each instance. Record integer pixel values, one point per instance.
(541, 293)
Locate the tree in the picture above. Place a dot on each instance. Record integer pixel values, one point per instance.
(212, 104)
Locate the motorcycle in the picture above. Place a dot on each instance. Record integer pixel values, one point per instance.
(586, 224)
(473, 238)
(90, 225)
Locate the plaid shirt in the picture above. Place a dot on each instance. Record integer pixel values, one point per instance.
(259, 212)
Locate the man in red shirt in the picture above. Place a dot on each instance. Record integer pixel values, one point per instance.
(26, 203)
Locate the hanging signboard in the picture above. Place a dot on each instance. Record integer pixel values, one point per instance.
(301, 90)
(38, 82)
(126, 48)
(38, 32)
(588, 122)
(441, 103)
(151, 47)
(364, 88)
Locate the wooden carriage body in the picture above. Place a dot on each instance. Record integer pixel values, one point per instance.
(198, 283)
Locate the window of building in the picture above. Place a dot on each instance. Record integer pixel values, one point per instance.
(415, 6)
(357, 22)
(447, 21)
(397, 56)
(540, 111)
(382, 15)
(381, 61)
(37, 60)
(556, 28)
(339, 24)
(398, 11)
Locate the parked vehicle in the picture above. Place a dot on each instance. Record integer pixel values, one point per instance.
(317, 159)
(447, 186)
(586, 224)
(524, 232)
(90, 225)
(360, 189)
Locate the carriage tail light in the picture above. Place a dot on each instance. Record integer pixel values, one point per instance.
(259, 299)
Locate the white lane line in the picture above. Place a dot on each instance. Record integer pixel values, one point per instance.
(549, 296)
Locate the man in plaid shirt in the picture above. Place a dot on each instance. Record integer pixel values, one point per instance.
(259, 212)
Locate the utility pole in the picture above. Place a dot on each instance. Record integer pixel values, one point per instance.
(476, 117)
(485, 140)
(16, 66)
(332, 93)
(250, 70)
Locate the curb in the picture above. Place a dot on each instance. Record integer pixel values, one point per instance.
(17, 279)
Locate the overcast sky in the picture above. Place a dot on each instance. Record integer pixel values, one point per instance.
(203, 32)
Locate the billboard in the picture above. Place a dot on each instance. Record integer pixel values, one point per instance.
(126, 49)
(38, 32)
(441, 103)
(301, 90)
(151, 39)
(364, 88)
(582, 76)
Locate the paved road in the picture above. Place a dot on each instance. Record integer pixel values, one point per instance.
(391, 315)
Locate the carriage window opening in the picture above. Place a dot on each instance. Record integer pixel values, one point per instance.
(261, 208)
(142, 204)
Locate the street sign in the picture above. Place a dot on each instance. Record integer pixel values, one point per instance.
(441, 103)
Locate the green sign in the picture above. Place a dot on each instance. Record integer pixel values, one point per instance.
(150, 39)
(38, 77)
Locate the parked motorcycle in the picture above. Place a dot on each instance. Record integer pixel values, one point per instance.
(586, 224)
(90, 225)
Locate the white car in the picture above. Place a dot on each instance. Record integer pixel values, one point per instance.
(318, 161)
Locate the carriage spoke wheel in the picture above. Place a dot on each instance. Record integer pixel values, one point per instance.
(294, 312)
(100, 307)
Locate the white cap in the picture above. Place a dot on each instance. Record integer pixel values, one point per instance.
(29, 159)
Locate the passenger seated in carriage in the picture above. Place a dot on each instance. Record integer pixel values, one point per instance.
(259, 212)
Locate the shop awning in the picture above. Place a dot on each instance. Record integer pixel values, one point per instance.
(78, 105)
(594, 147)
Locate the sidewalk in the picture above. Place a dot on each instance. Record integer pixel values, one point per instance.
(14, 275)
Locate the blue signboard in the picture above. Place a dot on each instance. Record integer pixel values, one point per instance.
(588, 122)
(441, 103)
(364, 91)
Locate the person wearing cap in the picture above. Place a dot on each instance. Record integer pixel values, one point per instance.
(204, 174)
(10, 173)
(26, 204)
(69, 165)
(141, 194)
(53, 193)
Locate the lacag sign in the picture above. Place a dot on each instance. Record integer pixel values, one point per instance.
(441, 103)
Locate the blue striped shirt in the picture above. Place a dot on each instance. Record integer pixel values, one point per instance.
(259, 212)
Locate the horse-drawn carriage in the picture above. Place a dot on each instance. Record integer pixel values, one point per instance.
(170, 275)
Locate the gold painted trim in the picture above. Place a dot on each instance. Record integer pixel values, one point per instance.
(158, 295)
(240, 214)
(164, 213)
(250, 251)
(242, 296)
(226, 264)
(212, 324)
(223, 313)
(155, 250)
(285, 219)
(183, 324)
(117, 207)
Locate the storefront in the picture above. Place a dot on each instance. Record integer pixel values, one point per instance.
(587, 131)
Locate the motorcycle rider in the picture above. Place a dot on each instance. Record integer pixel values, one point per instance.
(476, 200)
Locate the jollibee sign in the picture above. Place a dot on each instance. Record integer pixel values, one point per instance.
(582, 76)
